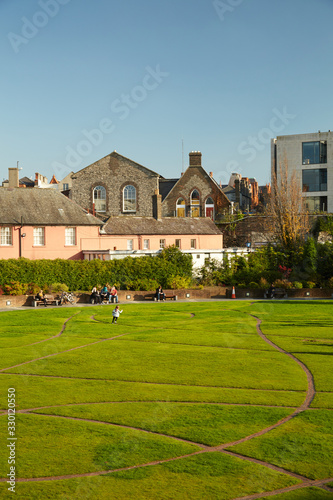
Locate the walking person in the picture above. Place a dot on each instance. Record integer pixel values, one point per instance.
(116, 313)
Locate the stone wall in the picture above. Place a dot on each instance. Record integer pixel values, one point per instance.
(114, 172)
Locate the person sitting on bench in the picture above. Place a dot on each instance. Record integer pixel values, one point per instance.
(159, 295)
(41, 296)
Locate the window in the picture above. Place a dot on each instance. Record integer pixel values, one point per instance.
(100, 198)
(65, 186)
(70, 236)
(316, 203)
(180, 207)
(39, 236)
(314, 152)
(146, 244)
(162, 243)
(195, 203)
(129, 244)
(193, 243)
(177, 243)
(129, 199)
(209, 208)
(6, 236)
(314, 180)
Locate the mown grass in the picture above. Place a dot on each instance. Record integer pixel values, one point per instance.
(210, 476)
(170, 353)
(41, 391)
(206, 424)
(302, 494)
(50, 447)
(303, 445)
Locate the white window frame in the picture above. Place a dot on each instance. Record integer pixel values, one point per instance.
(146, 244)
(129, 198)
(179, 243)
(129, 244)
(99, 198)
(193, 244)
(39, 236)
(6, 236)
(180, 206)
(162, 244)
(70, 236)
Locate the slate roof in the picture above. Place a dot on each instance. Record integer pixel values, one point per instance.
(167, 225)
(45, 207)
(165, 186)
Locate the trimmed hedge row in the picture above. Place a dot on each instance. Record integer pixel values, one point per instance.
(127, 273)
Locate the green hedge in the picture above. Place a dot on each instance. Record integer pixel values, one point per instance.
(84, 274)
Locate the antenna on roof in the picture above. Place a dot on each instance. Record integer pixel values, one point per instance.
(182, 156)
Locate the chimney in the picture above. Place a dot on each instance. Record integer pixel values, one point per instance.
(157, 205)
(195, 159)
(13, 177)
(210, 174)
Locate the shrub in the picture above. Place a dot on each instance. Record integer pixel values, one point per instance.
(329, 283)
(297, 284)
(263, 284)
(15, 288)
(33, 288)
(178, 282)
(309, 284)
(58, 288)
(282, 283)
(253, 284)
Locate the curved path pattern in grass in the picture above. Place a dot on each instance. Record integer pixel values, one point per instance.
(310, 393)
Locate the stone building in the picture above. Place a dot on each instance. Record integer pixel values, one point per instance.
(115, 185)
(118, 186)
(195, 194)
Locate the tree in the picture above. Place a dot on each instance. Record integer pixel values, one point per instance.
(287, 219)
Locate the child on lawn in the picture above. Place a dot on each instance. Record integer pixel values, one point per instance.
(116, 313)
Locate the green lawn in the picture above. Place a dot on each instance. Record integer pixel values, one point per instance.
(184, 376)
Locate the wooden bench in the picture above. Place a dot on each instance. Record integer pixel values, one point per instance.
(50, 301)
(279, 293)
(151, 296)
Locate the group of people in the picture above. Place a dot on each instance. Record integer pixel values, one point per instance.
(110, 294)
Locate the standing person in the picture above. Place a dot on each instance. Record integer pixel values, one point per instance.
(159, 295)
(116, 313)
(113, 295)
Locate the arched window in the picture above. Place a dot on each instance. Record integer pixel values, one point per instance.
(100, 198)
(209, 208)
(129, 199)
(195, 203)
(180, 207)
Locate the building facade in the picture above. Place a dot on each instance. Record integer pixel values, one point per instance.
(310, 157)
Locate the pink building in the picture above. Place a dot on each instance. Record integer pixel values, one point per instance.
(43, 224)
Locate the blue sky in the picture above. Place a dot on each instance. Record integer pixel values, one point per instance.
(153, 78)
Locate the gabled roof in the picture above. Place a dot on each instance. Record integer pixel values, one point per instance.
(189, 169)
(116, 155)
(165, 186)
(46, 207)
(127, 225)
